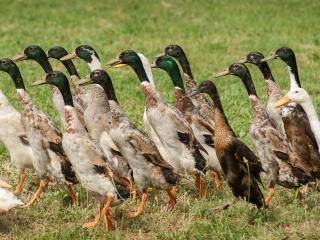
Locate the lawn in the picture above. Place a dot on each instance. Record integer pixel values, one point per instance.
(214, 34)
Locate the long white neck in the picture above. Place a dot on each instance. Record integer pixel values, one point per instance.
(313, 119)
(293, 80)
(95, 64)
(147, 67)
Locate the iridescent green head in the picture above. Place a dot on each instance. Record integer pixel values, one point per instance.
(86, 53)
(169, 65)
(57, 52)
(32, 52)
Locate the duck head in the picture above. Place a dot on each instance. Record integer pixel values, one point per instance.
(8, 66)
(59, 80)
(36, 53)
(284, 53)
(169, 65)
(297, 95)
(57, 52)
(85, 52)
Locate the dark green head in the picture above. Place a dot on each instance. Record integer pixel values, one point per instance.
(36, 53)
(285, 54)
(60, 80)
(8, 66)
(57, 52)
(169, 65)
(86, 52)
(32, 52)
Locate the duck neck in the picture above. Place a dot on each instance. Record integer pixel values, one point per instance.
(45, 64)
(95, 63)
(265, 70)
(293, 73)
(71, 68)
(176, 78)
(313, 118)
(248, 83)
(108, 88)
(17, 79)
(184, 62)
(220, 118)
(66, 94)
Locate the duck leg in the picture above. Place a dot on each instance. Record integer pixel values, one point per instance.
(269, 197)
(22, 179)
(95, 222)
(72, 194)
(141, 207)
(172, 195)
(106, 213)
(199, 185)
(36, 195)
(217, 179)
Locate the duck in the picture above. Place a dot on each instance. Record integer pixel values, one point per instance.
(97, 110)
(149, 169)
(36, 53)
(7, 199)
(89, 163)
(240, 165)
(301, 96)
(199, 100)
(175, 134)
(202, 129)
(45, 139)
(91, 57)
(83, 94)
(274, 151)
(291, 121)
(13, 137)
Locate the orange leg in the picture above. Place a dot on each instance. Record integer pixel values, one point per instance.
(95, 222)
(172, 195)
(217, 179)
(141, 207)
(269, 197)
(72, 194)
(21, 182)
(199, 185)
(36, 195)
(133, 190)
(106, 213)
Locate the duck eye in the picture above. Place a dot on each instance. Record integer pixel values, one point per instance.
(3, 61)
(296, 91)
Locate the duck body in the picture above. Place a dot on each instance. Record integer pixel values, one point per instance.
(290, 120)
(13, 136)
(239, 164)
(7, 199)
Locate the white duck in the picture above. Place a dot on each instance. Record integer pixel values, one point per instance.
(301, 97)
(13, 137)
(7, 199)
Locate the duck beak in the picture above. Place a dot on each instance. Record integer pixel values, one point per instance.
(87, 80)
(224, 73)
(271, 57)
(283, 101)
(153, 65)
(194, 92)
(242, 60)
(20, 57)
(40, 82)
(116, 63)
(71, 55)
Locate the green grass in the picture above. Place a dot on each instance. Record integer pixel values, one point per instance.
(214, 35)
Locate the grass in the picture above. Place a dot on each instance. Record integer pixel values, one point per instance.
(214, 35)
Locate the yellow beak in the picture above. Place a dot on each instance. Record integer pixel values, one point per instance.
(20, 57)
(71, 55)
(116, 63)
(283, 101)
